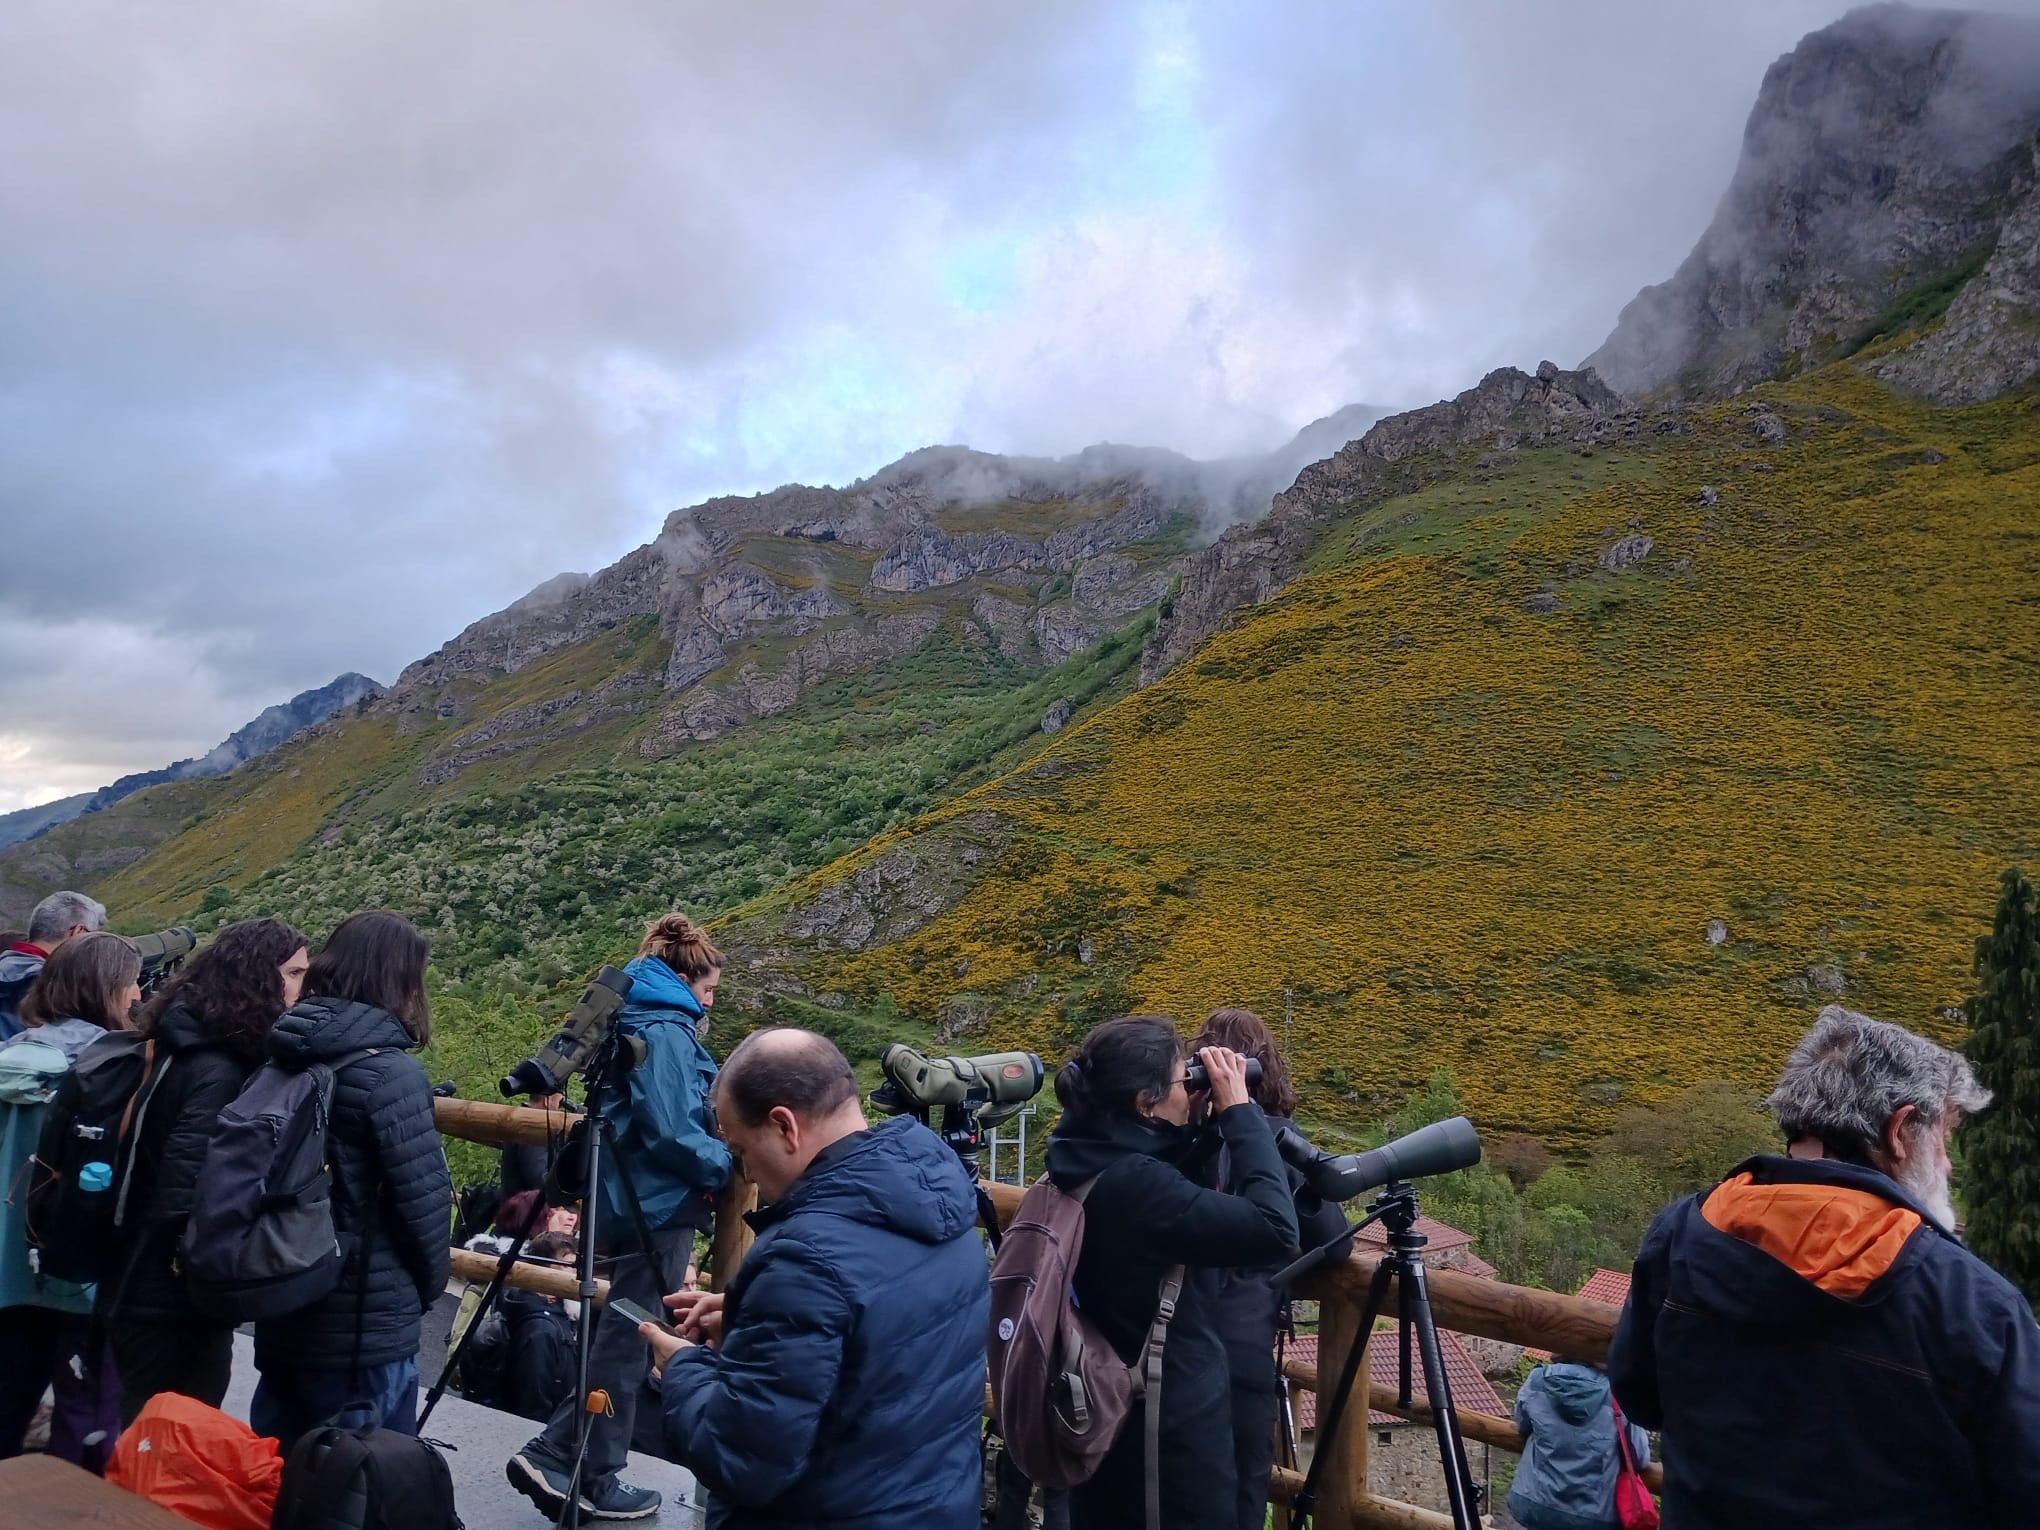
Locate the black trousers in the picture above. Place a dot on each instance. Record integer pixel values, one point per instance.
(617, 1364)
(1253, 1433)
(167, 1354)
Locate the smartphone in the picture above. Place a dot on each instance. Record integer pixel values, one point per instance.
(638, 1314)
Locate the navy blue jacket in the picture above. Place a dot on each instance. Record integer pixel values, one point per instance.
(676, 1163)
(850, 1385)
(1817, 1351)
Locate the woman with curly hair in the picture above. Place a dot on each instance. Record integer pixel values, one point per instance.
(211, 1025)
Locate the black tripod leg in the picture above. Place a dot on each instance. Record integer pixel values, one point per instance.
(491, 1295)
(591, 1199)
(1305, 1503)
(1438, 1389)
(988, 1218)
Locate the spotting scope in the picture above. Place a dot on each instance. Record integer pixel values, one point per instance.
(163, 953)
(1438, 1148)
(992, 1087)
(580, 1036)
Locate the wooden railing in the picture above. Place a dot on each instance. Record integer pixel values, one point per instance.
(1461, 1303)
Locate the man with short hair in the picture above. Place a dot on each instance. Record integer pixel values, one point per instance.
(1816, 1346)
(843, 1378)
(53, 921)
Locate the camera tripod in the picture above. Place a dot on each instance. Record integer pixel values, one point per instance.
(1403, 1265)
(579, 1161)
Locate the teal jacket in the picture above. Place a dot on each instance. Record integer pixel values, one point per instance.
(676, 1163)
(31, 1063)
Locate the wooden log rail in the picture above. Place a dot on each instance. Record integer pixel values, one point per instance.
(1460, 1302)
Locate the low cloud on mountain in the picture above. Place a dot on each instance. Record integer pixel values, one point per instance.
(333, 327)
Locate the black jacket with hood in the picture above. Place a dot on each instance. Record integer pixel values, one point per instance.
(200, 1075)
(392, 1194)
(1144, 1214)
(1817, 1351)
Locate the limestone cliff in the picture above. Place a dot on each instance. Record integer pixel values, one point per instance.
(1886, 167)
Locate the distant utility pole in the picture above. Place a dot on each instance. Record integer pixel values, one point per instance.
(1289, 1025)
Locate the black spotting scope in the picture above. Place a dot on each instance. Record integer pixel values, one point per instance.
(1438, 1148)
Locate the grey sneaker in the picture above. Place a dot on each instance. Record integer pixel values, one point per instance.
(619, 1500)
(544, 1485)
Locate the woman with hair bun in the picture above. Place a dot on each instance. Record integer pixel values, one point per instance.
(1125, 1132)
(211, 1023)
(676, 1163)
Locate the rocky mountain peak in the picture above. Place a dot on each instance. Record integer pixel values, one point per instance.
(1882, 160)
(1506, 409)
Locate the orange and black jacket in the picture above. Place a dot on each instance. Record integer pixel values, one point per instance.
(1817, 1351)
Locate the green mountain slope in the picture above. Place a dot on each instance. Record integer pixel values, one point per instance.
(1475, 787)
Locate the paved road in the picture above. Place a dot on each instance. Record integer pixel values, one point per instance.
(483, 1439)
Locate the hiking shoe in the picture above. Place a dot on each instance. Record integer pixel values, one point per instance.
(544, 1485)
(619, 1500)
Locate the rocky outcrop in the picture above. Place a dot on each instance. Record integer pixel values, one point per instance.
(1989, 342)
(1883, 152)
(1508, 409)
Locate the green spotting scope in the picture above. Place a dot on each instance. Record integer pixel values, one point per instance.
(992, 1087)
(580, 1036)
(163, 953)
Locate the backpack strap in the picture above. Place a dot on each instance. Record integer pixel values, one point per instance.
(1151, 1390)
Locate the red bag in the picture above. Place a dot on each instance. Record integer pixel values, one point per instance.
(196, 1462)
(1634, 1506)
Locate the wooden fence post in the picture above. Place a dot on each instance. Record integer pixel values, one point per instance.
(1344, 1477)
(732, 1233)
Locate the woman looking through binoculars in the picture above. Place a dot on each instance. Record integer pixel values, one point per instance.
(1125, 1131)
(1249, 1308)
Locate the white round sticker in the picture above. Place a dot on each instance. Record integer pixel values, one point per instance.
(1005, 1329)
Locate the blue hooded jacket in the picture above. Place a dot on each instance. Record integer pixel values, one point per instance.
(661, 1115)
(1567, 1477)
(850, 1384)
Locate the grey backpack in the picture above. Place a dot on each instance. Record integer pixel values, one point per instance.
(261, 1242)
(1059, 1390)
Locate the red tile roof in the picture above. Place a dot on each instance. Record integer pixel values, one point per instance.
(1470, 1389)
(1610, 1286)
(1438, 1234)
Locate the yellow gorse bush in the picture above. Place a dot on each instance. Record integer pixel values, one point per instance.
(1473, 835)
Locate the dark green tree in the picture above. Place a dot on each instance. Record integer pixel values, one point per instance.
(2001, 1146)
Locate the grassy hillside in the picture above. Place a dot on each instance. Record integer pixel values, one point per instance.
(1475, 797)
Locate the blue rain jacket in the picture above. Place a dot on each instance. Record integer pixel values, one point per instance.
(1567, 1477)
(675, 1163)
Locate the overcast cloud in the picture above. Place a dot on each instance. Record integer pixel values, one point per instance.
(327, 326)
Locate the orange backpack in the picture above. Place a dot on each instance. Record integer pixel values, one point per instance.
(195, 1461)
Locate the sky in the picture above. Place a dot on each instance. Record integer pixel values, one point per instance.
(329, 326)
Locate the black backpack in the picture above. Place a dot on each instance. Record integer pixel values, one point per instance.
(261, 1242)
(364, 1479)
(77, 1211)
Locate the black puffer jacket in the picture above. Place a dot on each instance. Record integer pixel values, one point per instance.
(1248, 1308)
(392, 1194)
(200, 1078)
(1145, 1214)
